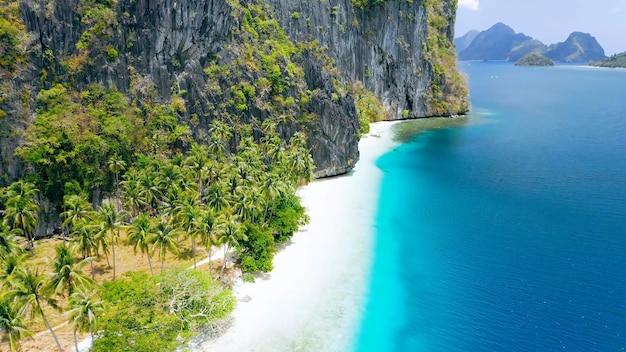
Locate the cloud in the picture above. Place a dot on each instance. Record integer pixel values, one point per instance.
(469, 4)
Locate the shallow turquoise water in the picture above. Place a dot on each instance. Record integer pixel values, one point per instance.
(507, 235)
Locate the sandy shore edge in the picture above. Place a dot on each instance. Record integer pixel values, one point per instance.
(312, 300)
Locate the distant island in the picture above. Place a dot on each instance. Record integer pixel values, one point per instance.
(615, 61)
(502, 43)
(534, 59)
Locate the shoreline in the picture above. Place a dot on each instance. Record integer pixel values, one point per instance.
(313, 299)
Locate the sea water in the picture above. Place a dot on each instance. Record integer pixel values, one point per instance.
(509, 233)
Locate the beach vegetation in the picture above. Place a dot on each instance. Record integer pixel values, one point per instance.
(368, 107)
(153, 313)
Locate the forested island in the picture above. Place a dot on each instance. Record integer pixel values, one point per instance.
(534, 59)
(614, 61)
(150, 152)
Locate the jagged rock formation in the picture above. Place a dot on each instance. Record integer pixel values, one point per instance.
(163, 50)
(579, 47)
(501, 43)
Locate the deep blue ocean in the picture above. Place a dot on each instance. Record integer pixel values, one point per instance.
(507, 234)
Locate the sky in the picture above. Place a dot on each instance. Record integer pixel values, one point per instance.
(549, 21)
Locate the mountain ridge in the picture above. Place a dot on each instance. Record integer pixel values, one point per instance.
(501, 43)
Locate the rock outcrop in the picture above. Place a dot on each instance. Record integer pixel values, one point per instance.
(402, 51)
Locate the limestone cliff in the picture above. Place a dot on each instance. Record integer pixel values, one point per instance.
(301, 57)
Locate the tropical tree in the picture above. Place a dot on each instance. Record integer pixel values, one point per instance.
(22, 209)
(11, 264)
(249, 204)
(111, 221)
(150, 191)
(8, 243)
(207, 226)
(229, 235)
(84, 309)
(140, 233)
(116, 165)
(217, 198)
(77, 208)
(198, 162)
(30, 292)
(220, 135)
(132, 192)
(164, 238)
(12, 325)
(187, 213)
(85, 240)
(67, 273)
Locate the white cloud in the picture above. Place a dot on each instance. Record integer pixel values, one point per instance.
(469, 4)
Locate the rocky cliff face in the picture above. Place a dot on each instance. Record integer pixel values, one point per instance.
(300, 55)
(383, 46)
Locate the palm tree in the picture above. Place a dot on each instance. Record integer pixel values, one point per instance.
(116, 165)
(220, 135)
(77, 208)
(229, 235)
(67, 272)
(84, 308)
(187, 213)
(217, 198)
(197, 162)
(273, 187)
(11, 324)
(132, 192)
(164, 239)
(11, 264)
(22, 209)
(140, 233)
(207, 224)
(150, 192)
(249, 204)
(85, 240)
(8, 244)
(111, 221)
(30, 291)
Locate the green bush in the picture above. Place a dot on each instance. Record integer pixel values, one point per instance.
(286, 216)
(153, 314)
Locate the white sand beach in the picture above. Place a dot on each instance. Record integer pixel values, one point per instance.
(312, 299)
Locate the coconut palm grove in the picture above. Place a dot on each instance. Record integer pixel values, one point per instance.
(129, 184)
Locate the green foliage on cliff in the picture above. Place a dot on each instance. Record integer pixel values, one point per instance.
(12, 37)
(368, 107)
(448, 91)
(615, 61)
(74, 135)
(364, 4)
